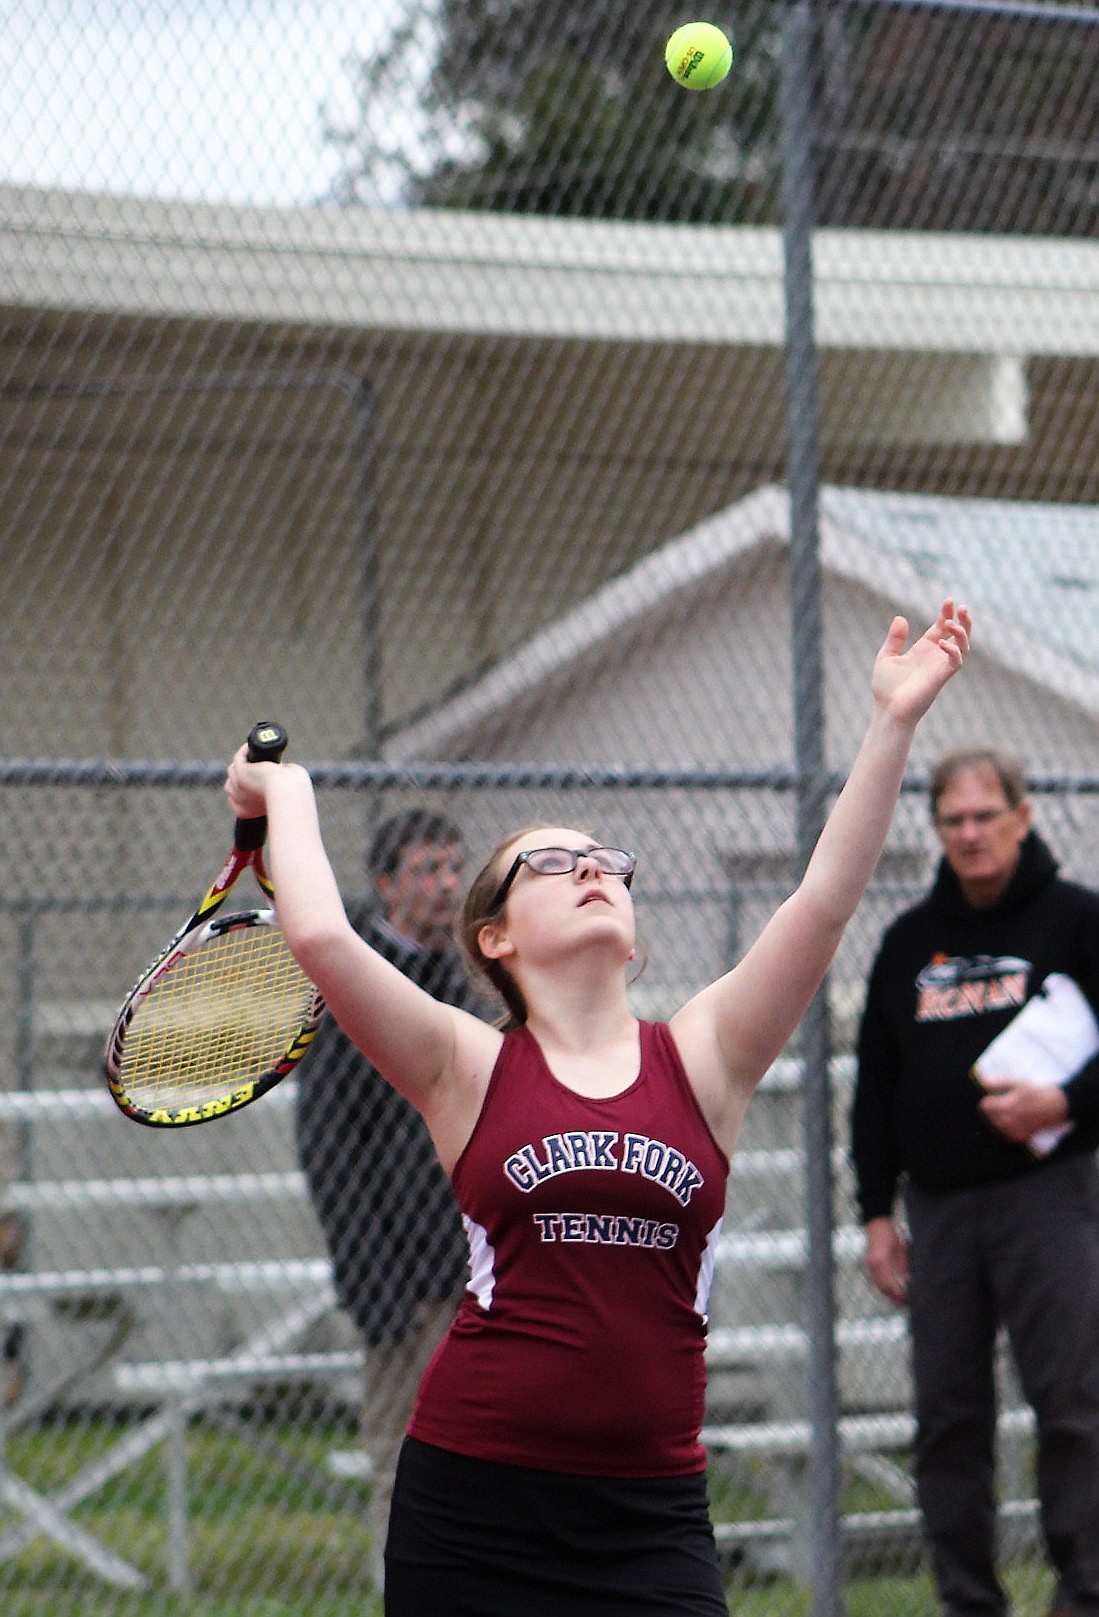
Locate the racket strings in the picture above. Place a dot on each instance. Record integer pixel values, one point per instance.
(222, 1016)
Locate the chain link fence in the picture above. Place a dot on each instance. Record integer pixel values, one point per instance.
(415, 375)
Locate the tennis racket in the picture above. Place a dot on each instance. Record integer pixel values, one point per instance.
(224, 1012)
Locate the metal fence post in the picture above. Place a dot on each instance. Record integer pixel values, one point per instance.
(821, 1557)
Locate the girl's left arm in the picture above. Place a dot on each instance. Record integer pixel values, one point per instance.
(731, 1032)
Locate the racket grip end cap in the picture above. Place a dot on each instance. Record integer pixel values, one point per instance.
(267, 741)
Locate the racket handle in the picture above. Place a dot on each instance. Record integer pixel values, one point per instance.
(266, 745)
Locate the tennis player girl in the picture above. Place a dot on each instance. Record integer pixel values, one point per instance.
(553, 1464)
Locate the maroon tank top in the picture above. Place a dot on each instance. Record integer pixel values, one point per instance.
(579, 1345)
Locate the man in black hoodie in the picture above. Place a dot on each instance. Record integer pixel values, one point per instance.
(1002, 1228)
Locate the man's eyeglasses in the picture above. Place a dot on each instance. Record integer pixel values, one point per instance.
(980, 818)
(559, 861)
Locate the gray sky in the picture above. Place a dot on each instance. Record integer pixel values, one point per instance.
(210, 100)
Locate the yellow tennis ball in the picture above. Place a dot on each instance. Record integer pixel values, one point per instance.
(698, 55)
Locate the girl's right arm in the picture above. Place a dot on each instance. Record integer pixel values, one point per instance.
(439, 1057)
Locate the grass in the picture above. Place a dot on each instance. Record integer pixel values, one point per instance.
(270, 1539)
(262, 1543)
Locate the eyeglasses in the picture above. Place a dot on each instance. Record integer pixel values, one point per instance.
(980, 818)
(560, 861)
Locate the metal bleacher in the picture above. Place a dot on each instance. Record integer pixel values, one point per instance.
(757, 1426)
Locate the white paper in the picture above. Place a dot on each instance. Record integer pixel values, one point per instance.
(1047, 1042)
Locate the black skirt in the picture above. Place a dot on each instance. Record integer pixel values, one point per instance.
(471, 1538)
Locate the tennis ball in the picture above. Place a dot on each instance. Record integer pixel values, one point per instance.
(698, 55)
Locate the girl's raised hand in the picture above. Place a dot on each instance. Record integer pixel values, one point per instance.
(246, 785)
(905, 683)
